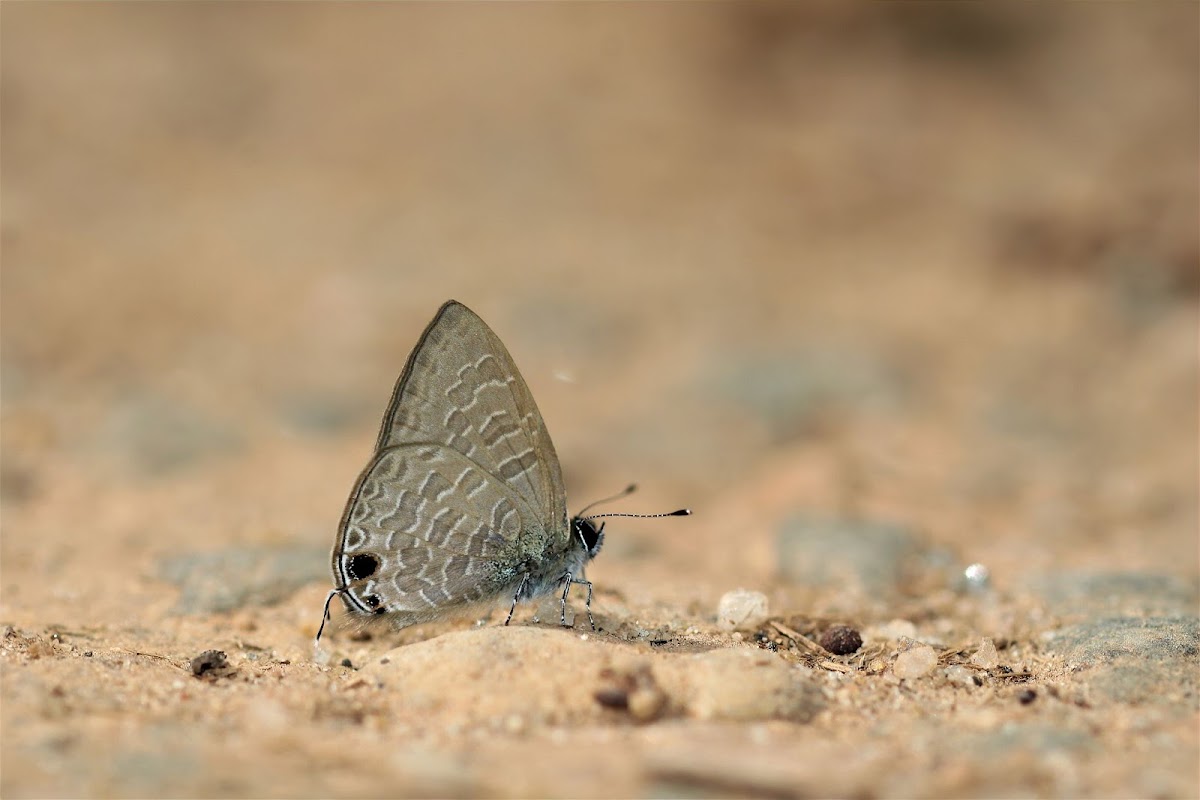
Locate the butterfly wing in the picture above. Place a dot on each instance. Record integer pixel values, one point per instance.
(427, 529)
(461, 388)
(464, 469)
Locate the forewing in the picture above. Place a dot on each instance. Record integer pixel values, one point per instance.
(436, 530)
(461, 389)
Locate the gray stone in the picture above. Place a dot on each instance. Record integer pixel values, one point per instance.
(1107, 640)
(157, 436)
(1115, 593)
(242, 576)
(1031, 737)
(1135, 660)
(324, 413)
(873, 556)
(793, 391)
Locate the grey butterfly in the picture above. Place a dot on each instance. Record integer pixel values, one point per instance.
(462, 502)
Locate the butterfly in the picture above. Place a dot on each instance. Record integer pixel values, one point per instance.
(462, 502)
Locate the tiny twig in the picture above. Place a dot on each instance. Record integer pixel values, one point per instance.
(151, 655)
(799, 638)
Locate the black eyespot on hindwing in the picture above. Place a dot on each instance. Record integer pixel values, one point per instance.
(361, 566)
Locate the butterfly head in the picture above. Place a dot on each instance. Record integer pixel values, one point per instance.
(590, 537)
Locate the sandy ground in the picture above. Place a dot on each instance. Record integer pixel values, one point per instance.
(880, 292)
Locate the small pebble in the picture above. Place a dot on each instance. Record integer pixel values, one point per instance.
(345, 662)
(986, 655)
(741, 608)
(961, 676)
(841, 640)
(614, 697)
(977, 578)
(1027, 696)
(634, 690)
(207, 661)
(39, 648)
(646, 703)
(915, 663)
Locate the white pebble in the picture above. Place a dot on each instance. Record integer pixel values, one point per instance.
(741, 608)
(986, 655)
(960, 676)
(915, 663)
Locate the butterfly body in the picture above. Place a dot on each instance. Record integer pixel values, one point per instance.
(462, 503)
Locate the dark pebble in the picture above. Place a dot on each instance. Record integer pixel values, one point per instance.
(207, 661)
(346, 663)
(1026, 697)
(614, 689)
(841, 640)
(612, 697)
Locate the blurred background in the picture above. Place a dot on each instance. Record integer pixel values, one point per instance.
(929, 268)
(931, 263)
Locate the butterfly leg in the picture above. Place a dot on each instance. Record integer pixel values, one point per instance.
(566, 588)
(568, 579)
(588, 604)
(516, 596)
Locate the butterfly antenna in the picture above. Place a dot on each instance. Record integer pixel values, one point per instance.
(628, 490)
(682, 512)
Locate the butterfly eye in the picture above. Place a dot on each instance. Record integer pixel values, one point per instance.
(591, 536)
(361, 566)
